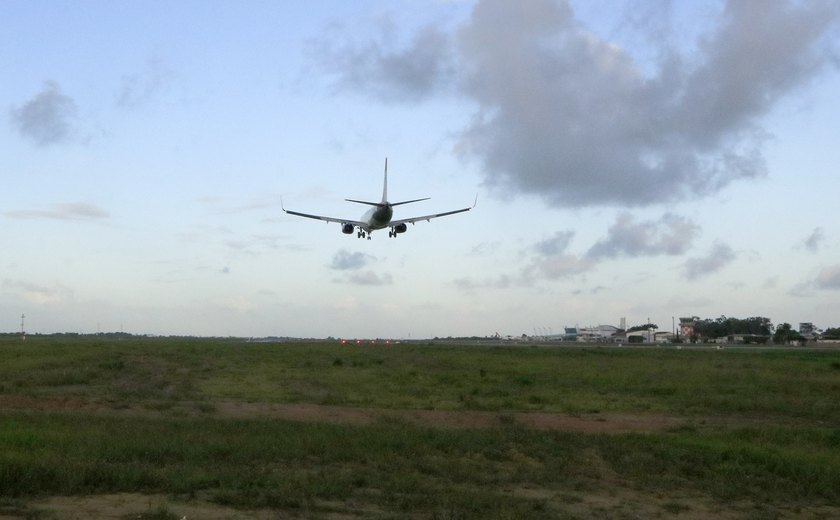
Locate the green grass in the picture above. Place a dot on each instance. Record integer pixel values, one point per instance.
(278, 464)
(761, 428)
(792, 384)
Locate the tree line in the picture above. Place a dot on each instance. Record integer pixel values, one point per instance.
(757, 329)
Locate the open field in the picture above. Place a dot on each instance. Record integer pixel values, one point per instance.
(166, 428)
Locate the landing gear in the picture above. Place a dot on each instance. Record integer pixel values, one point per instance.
(361, 234)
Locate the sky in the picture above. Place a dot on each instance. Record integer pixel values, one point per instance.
(636, 159)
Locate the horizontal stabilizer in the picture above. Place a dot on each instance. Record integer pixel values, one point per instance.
(409, 201)
(366, 202)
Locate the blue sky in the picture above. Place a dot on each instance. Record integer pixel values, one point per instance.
(637, 159)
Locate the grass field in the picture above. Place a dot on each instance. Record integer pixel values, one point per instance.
(205, 428)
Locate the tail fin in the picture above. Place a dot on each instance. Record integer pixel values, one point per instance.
(385, 191)
(385, 194)
(385, 186)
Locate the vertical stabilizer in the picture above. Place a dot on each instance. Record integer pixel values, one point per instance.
(385, 186)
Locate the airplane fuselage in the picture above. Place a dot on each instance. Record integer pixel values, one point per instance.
(378, 217)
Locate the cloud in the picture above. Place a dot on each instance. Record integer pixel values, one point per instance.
(370, 278)
(770, 283)
(828, 278)
(238, 304)
(813, 241)
(574, 118)
(670, 235)
(550, 260)
(557, 266)
(68, 211)
(37, 294)
(353, 263)
(486, 248)
(547, 259)
(554, 245)
(47, 118)
(410, 73)
(687, 302)
(345, 260)
(139, 89)
(719, 256)
(470, 285)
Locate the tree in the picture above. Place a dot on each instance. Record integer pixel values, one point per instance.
(710, 329)
(726, 327)
(831, 333)
(785, 334)
(646, 326)
(757, 325)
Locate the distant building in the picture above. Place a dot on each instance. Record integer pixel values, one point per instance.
(598, 334)
(687, 327)
(663, 337)
(647, 336)
(639, 336)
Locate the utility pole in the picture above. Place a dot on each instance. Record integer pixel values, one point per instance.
(22, 328)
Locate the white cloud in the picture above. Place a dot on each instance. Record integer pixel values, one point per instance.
(38, 294)
(828, 278)
(345, 260)
(66, 211)
(467, 284)
(370, 278)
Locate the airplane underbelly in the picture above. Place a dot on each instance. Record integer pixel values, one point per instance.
(379, 218)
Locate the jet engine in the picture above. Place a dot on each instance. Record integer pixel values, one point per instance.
(400, 228)
(347, 228)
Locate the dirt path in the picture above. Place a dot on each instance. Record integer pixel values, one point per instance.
(305, 412)
(601, 423)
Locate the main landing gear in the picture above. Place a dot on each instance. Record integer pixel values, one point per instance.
(362, 234)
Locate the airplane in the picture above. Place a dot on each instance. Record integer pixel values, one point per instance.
(379, 216)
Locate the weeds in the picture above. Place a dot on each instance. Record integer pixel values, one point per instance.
(178, 445)
(161, 512)
(790, 384)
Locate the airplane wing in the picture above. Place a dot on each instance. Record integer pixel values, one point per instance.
(427, 218)
(324, 218)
